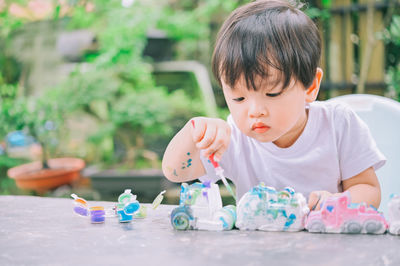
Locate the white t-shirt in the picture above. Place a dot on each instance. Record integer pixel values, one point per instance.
(334, 146)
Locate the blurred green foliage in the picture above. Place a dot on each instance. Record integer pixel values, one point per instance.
(7, 185)
(392, 38)
(117, 87)
(114, 85)
(194, 24)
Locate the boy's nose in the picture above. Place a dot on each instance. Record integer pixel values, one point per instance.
(257, 110)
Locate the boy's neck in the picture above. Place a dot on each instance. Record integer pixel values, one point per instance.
(290, 138)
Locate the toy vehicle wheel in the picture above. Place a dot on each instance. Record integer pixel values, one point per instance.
(316, 227)
(373, 227)
(180, 218)
(352, 227)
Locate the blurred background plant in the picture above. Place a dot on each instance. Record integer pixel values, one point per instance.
(109, 94)
(391, 36)
(115, 86)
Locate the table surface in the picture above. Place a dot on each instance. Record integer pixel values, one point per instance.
(44, 231)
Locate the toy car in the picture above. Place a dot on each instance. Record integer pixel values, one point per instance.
(201, 208)
(264, 208)
(394, 214)
(339, 215)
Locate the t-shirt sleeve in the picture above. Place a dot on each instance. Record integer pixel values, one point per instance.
(356, 147)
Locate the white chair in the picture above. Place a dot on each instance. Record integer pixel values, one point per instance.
(382, 115)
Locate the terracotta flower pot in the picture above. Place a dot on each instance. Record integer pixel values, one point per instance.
(32, 176)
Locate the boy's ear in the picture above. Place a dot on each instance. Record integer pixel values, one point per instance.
(312, 91)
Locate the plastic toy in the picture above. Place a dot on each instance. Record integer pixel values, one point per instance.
(126, 209)
(264, 208)
(227, 215)
(127, 205)
(220, 173)
(394, 214)
(339, 215)
(200, 208)
(80, 206)
(96, 214)
(157, 201)
(142, 212)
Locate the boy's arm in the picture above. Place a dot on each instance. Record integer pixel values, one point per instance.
(364, 187)
(181, 161)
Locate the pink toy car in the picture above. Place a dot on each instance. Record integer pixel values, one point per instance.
(339, 215)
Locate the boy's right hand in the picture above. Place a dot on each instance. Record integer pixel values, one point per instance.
(212, 135)
(316, 198)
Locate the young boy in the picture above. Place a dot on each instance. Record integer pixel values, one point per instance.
(266, 60)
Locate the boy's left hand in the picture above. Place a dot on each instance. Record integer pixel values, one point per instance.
(317, 197)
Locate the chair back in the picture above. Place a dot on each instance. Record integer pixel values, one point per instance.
(382, 115)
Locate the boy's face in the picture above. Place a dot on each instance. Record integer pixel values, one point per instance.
(270, 113)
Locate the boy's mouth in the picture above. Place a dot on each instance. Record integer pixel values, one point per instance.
(260, 127)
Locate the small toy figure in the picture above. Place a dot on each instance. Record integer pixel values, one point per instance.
(126, 209)
(394, 214)
(200, 207)
(97, 214)
(157, 201)
(339, 215)
(80, 205)
(264, 208)
(127, 205)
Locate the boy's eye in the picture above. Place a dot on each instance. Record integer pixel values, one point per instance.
(239, 99)
(274, 94)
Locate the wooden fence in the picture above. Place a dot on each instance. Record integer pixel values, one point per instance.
(353, 56)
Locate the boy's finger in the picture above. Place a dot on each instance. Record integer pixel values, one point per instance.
(219, 153)
(219, 146)
(208, 137)
(214, 149)
(198, 128)
(313, 200)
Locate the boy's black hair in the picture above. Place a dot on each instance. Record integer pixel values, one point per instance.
(264, 34)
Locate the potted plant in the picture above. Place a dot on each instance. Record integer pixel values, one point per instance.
(42, 114)
(115, 87)
(43, 119)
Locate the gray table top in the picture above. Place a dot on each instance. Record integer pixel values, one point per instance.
(44, 231)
